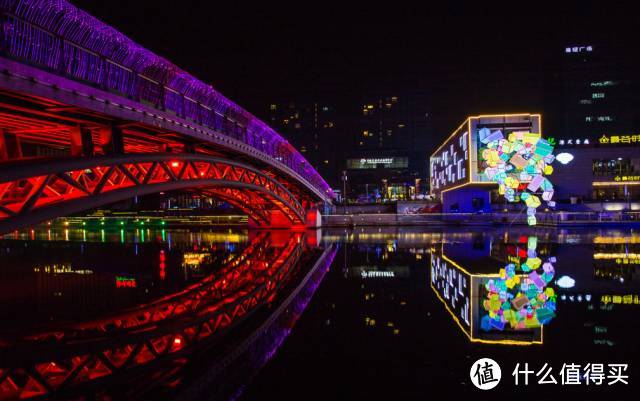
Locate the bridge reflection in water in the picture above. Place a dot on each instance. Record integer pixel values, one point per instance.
(152, 349)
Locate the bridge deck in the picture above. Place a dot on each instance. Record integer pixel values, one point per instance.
(57, 52)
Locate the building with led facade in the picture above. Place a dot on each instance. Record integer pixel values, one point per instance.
(456, 167)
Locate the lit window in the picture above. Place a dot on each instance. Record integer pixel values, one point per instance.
(273, 107)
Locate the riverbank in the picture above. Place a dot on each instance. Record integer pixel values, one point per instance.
(547, 219)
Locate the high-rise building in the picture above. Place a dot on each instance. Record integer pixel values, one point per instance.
(312, 128)
(600, 140)
(380, 141)
(600, 95)
(390, 138)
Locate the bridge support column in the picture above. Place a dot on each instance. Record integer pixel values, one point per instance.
(277, 219)
(111, 140)
(81, 142)
(9, 146)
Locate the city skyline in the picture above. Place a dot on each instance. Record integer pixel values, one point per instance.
(277, 53)
(313, 203)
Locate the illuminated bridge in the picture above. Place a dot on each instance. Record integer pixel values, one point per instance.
(89, 117)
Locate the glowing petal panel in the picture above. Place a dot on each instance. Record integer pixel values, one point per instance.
(519, 164)
(520, 297)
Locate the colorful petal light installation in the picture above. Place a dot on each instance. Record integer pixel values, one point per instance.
(521, 298)
(519, 164)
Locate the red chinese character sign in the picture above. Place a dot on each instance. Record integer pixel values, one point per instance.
(519, 165)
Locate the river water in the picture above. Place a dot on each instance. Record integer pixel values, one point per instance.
(370, 314)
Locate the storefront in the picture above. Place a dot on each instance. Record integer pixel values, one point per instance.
(381, 177)
(603, 172)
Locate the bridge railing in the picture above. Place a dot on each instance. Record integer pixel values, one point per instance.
(30, 32)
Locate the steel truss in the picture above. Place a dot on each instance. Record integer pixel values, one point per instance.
(31, 193)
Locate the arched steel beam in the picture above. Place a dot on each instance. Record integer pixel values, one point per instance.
(43, 190)
(239, 204)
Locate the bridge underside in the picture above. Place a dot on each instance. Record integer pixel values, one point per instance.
(57, 159)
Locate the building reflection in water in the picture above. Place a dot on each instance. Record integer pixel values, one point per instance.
(493, 304)
(183, 312)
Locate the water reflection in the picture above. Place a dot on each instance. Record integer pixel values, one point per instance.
(191, 314)
(136, 317)
(506, 306)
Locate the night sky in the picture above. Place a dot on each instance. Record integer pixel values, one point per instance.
(470, 59)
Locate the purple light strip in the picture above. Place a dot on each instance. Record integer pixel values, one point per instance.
(59, 36)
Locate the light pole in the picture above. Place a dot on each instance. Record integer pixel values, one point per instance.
(344, 186)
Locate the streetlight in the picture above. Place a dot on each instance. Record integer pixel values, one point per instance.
(344, 186)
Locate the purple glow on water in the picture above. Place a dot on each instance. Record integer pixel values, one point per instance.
(280, 330)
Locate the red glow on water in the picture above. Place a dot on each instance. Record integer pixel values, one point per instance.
(162, 266)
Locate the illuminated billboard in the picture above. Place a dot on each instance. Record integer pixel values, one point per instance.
(377, 162)
(457, 161)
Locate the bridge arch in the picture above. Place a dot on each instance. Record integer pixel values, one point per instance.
(54, 50)
(39, 191)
